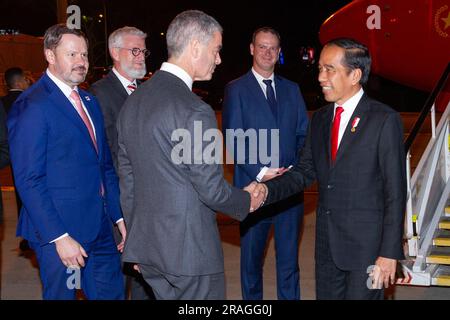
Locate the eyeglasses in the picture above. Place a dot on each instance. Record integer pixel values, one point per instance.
(137, 51)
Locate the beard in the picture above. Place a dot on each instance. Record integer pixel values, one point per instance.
(134, 72)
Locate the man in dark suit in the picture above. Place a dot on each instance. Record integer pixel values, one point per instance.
(262, 100)
(65, 176)
(4, 150)
(354, 149)
(169, 194)
(128, 51)
(17, 82)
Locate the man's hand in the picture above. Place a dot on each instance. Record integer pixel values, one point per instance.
(383, 272)
(273, 173)
(123, 232)
(257, 198)
(70, 252)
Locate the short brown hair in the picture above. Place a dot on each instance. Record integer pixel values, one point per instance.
(266, 30)
(54, 34)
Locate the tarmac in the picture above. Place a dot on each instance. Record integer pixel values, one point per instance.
(20, 275)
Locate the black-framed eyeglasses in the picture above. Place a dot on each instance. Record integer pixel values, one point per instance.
(137, 51)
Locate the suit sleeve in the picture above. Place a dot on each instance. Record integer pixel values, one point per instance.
(296, 179)
(4, 149)
(207, 177)
(28, 135)
(302, 122)
(126, 178)
(393, 172)
(232, 119)
(109, 120)
(112, 185)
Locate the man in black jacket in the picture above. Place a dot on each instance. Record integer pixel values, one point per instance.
(354, 149)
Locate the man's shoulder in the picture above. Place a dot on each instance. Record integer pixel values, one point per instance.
(280, 80)
(378, 106)
(245, 78)
(103, 83)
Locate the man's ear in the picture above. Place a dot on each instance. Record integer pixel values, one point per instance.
(114, 53)
(252, 48)
(357, 74)
(194, 47)
(50, 56)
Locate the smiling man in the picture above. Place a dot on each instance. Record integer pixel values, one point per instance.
(354, 149)
(262, 100)
(64, 174)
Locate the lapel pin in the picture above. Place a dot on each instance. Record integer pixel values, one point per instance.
(87, 98)
(355, 124)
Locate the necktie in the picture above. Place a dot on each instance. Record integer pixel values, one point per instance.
(270, 94)
(131, 87)
(76, 97)
(335, 132)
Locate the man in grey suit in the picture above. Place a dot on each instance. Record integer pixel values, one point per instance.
(128, 51)
(169, 206)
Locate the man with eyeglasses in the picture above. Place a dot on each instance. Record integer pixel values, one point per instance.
(128, 51)
(262, 100)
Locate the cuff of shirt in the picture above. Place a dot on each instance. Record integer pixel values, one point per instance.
(121, 219)
(63, 236)
(261, 174)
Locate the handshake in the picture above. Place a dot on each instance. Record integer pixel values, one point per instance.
(258, 191)
(258, 194)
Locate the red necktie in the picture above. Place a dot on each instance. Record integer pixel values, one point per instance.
(131, 87)
(335, 132)
(76, 97)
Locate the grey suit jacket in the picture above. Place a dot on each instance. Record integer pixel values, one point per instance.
(170, 208)
(111, 96)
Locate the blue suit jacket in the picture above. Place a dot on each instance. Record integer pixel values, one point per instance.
(57, 171)
(246, 107)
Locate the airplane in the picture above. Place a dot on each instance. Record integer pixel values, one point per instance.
(409, 40)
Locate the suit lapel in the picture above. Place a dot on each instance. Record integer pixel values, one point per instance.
(326, 124)
(349, 137)
(256, 91)
(117, 85)
(64, 106)
(93, 113)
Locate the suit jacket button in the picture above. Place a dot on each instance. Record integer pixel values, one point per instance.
(328, 212)
(330, 186)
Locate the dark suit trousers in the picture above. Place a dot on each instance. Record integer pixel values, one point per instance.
(170, 287)
(333, 283)
(101, 278)
(254, 229)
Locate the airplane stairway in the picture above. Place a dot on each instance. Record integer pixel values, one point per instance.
(427, 223)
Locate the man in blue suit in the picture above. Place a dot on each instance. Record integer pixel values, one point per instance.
(65, 176)
(262, 100)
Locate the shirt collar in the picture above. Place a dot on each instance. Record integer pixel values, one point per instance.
(124, 81)
(65, 88)
(178, 72)
(350, 105)
(260, 78)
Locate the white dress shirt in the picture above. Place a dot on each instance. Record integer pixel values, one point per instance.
(124, 81)
(67, 90)
(178, 72)
(349, 107)
(263, 86)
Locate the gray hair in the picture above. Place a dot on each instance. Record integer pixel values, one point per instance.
(188, 25)
(115, 38)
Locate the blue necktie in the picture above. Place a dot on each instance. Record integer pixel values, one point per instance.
(270, 93)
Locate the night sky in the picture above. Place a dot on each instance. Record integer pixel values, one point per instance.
(298, 25)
